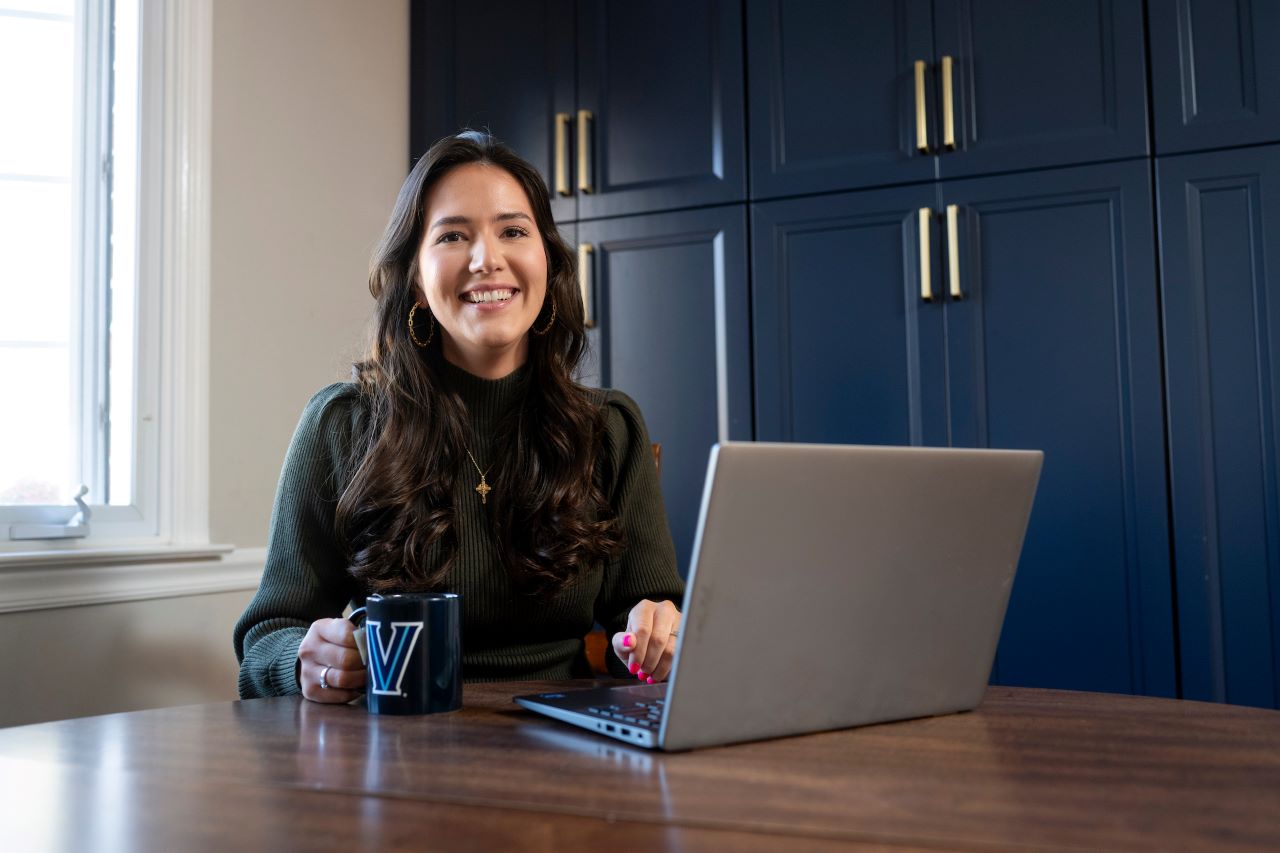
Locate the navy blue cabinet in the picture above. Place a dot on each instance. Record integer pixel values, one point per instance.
(1220, 260)
(833, 95)
(1215, 73)
(1054, 344)
(1042, 332)
(668, 293)
(511, 73)
(1041, 83)
(951, 243)
(623, 107)
(846, 349)
(663, 84)
(848, 95)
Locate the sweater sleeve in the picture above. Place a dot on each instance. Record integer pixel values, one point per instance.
(646, 568)
(305, 575)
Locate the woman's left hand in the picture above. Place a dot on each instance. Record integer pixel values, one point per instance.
(649, 643)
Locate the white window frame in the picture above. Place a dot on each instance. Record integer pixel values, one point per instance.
(168, 518)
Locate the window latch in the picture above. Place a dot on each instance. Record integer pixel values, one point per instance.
(76, 528)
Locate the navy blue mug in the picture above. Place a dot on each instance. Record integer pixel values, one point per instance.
(413, 652)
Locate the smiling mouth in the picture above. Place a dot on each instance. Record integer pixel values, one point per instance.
(477, 297)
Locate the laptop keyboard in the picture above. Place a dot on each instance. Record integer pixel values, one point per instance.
(643, 715)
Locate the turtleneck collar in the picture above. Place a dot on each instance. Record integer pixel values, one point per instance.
(486, 399)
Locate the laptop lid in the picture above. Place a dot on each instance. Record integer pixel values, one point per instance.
(836, 585)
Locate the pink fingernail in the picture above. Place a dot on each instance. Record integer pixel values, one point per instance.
(634, 668)
(626, 641)
(641, 675)
(650, 679)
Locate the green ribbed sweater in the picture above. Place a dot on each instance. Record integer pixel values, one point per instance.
(505, 635)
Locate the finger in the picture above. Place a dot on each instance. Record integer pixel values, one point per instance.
(332, 697)
(660, 641)
(312, 690)
(624, 643)
(340, 632)
(640, 627)
(344, 679)
(338, 657)
(663, 669)
(660, 650)
(323, 633)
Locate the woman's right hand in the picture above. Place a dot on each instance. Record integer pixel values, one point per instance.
(329, 649)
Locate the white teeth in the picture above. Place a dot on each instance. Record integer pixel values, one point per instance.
(478, 296)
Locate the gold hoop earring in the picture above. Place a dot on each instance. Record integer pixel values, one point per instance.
(550, 322)
(413, 335)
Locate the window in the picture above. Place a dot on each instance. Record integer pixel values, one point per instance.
(103, 271)
(68, 210)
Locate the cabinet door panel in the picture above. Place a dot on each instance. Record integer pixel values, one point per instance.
(847, 352)
(1055, 346)
(806, 138)
(1219, 253)
(1043, 83)
(663, 81)
(1215, 73)
(671, 294)
(509, 73)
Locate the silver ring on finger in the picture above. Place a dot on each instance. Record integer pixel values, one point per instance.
(324, 678)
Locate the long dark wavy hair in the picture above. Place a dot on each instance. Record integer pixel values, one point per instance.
(549, 517)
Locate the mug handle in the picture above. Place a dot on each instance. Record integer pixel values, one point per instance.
(357, 617)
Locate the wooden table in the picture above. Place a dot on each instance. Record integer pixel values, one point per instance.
(1028, 769)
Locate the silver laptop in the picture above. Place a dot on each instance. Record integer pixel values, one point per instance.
(831, 586)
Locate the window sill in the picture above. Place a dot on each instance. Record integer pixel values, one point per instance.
(38, 580)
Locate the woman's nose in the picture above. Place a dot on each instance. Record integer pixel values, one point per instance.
(486, 255)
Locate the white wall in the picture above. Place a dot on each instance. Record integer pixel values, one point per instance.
(77, 661)
(310, 145)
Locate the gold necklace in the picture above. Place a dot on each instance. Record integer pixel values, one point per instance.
(484, 488)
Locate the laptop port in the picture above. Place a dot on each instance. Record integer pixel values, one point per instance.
(608, 727)
(625, 732)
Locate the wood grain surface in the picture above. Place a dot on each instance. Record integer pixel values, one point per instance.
(1028, 769)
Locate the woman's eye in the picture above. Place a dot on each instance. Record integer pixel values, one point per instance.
(445, 238)
(515, 231)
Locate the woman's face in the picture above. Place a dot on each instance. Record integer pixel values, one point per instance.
(483, 268)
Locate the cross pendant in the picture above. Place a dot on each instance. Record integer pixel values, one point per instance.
(484, 489)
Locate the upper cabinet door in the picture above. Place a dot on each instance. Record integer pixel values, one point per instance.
(834, 99)
(1215, 73)
(1054, 345)
(847, 349)
(510, 73)
(1041, 83)
(662, 82)
(1220, 268)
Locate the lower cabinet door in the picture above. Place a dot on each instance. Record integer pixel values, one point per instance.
(1053, 344)
(1220, 268)
(668, 293)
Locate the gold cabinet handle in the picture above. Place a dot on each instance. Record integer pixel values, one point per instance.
(584, 155)
(953, 252)
(562, 153)
(584, 283)
(926, 268)
(922, 129)
(948, 105)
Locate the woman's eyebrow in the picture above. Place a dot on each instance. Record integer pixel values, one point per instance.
(462, 220)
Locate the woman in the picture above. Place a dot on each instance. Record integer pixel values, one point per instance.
(464, 457)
